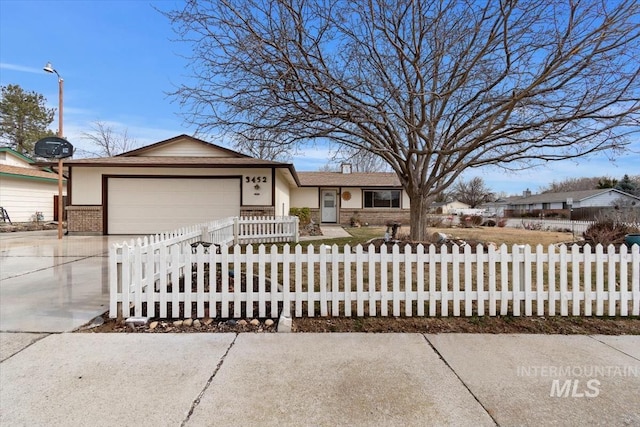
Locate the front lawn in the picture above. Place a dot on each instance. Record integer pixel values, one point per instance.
(497, 235)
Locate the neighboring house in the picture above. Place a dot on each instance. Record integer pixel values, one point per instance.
(184, 180)
(26, 191)
(560, 204)
(499, 207)
(447, 208)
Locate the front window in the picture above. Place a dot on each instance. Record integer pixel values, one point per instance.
(381, 198)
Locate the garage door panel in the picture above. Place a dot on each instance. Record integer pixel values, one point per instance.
(153, 205)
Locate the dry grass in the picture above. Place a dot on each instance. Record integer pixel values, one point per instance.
(508, 236)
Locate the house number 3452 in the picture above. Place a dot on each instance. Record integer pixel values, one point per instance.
(255, 179)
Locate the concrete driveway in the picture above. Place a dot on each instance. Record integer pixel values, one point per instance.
(51, 285)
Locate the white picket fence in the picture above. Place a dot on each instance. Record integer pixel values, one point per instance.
(233, 230)
(175, 281)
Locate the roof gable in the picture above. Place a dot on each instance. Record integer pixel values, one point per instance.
(183, 146)
(9, 156)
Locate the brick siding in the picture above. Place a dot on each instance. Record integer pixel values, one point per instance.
(257, 211)
(84, 219)
(369, 216)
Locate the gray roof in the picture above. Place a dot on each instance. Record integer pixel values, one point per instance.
(562, 197)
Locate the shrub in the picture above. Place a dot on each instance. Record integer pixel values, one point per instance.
(477, 220)
(304, 214)
(536, 226)
(435, 221)
(608, 232)
(355, 220)
(502, 222)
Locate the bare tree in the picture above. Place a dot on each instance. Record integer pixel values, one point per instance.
(473, 192)
(433, 87)
(107, 141)
(360, 160)
(573, 184)
(263, 144)
(329, 167)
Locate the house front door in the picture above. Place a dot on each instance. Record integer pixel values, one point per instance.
(329, 206)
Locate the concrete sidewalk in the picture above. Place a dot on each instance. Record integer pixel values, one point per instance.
(319, 379)
(328, 232)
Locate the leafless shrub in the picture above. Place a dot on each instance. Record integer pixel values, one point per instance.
(608, 232)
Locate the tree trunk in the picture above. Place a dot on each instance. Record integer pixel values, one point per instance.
(420, 203)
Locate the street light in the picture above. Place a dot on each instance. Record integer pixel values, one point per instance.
(49, 69)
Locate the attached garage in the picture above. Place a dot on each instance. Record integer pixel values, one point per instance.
(148, 205)
(172, 184)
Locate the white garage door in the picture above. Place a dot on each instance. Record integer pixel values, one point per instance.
(155, 205)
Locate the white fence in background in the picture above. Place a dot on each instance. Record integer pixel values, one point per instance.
(178, 282)
(234, 230)
(578, 227)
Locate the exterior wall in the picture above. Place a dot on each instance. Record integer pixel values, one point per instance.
(449, 207)
(406, 202)
(282, 195)
(86, 183)
(355, 200)
(84, 219)
(256, 185)
(305, 197)
(23, 197)
(607, 199)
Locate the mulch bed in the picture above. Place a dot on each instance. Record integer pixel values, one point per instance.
(26, 226)
(485, 325)
(430, 325)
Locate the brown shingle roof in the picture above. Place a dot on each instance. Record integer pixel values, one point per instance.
(356, 179)
(27, 172)
(155, 161)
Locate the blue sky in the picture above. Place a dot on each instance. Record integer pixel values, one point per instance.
(118, 62)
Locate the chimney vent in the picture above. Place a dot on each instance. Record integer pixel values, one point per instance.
(346, 168)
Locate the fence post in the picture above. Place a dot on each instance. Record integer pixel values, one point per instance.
(204, 233)
(235, 230)
(518, 285)
(296, 229)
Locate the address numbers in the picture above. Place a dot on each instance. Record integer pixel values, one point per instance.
(255, 179)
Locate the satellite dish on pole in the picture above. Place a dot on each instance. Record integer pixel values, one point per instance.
(53, 147)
